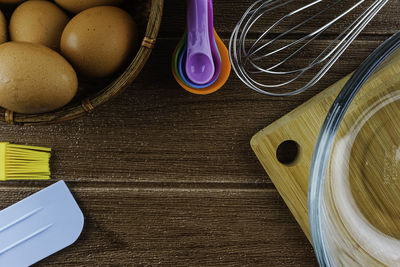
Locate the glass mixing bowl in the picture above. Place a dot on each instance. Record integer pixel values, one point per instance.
(354, 186)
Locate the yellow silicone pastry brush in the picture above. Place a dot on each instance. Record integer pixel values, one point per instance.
(19, 162)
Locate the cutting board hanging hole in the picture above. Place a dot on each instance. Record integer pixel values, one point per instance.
(285, 149)
(288, 152)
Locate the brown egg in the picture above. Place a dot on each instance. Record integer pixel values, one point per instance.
(34, 78)
(3, 28)
(11, 1)
(38, 22)
(98, 40)
(76, 6)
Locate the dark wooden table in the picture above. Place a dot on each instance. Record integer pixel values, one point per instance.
(165, 177)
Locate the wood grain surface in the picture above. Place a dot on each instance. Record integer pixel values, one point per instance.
(165, 177)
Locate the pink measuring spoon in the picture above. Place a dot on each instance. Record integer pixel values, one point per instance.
(214, 48)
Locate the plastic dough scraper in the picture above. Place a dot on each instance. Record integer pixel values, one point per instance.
(39, 226)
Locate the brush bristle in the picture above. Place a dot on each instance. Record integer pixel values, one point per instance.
(18, 162)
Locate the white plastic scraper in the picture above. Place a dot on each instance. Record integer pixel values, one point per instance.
(39, 226)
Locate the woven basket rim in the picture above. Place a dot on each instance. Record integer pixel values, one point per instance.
(110, 91)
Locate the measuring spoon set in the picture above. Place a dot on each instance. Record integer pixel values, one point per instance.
(200, 62)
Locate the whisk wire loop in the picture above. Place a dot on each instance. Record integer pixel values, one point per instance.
(251, 61)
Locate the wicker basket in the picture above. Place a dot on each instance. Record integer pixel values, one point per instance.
(147, 14)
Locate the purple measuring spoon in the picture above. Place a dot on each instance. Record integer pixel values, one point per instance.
(199, 65)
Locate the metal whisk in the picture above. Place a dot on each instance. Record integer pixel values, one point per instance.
(291, 41)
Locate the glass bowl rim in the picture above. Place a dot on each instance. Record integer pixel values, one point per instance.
(326, 137)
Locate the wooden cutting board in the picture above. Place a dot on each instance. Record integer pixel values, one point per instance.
(302, 126)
